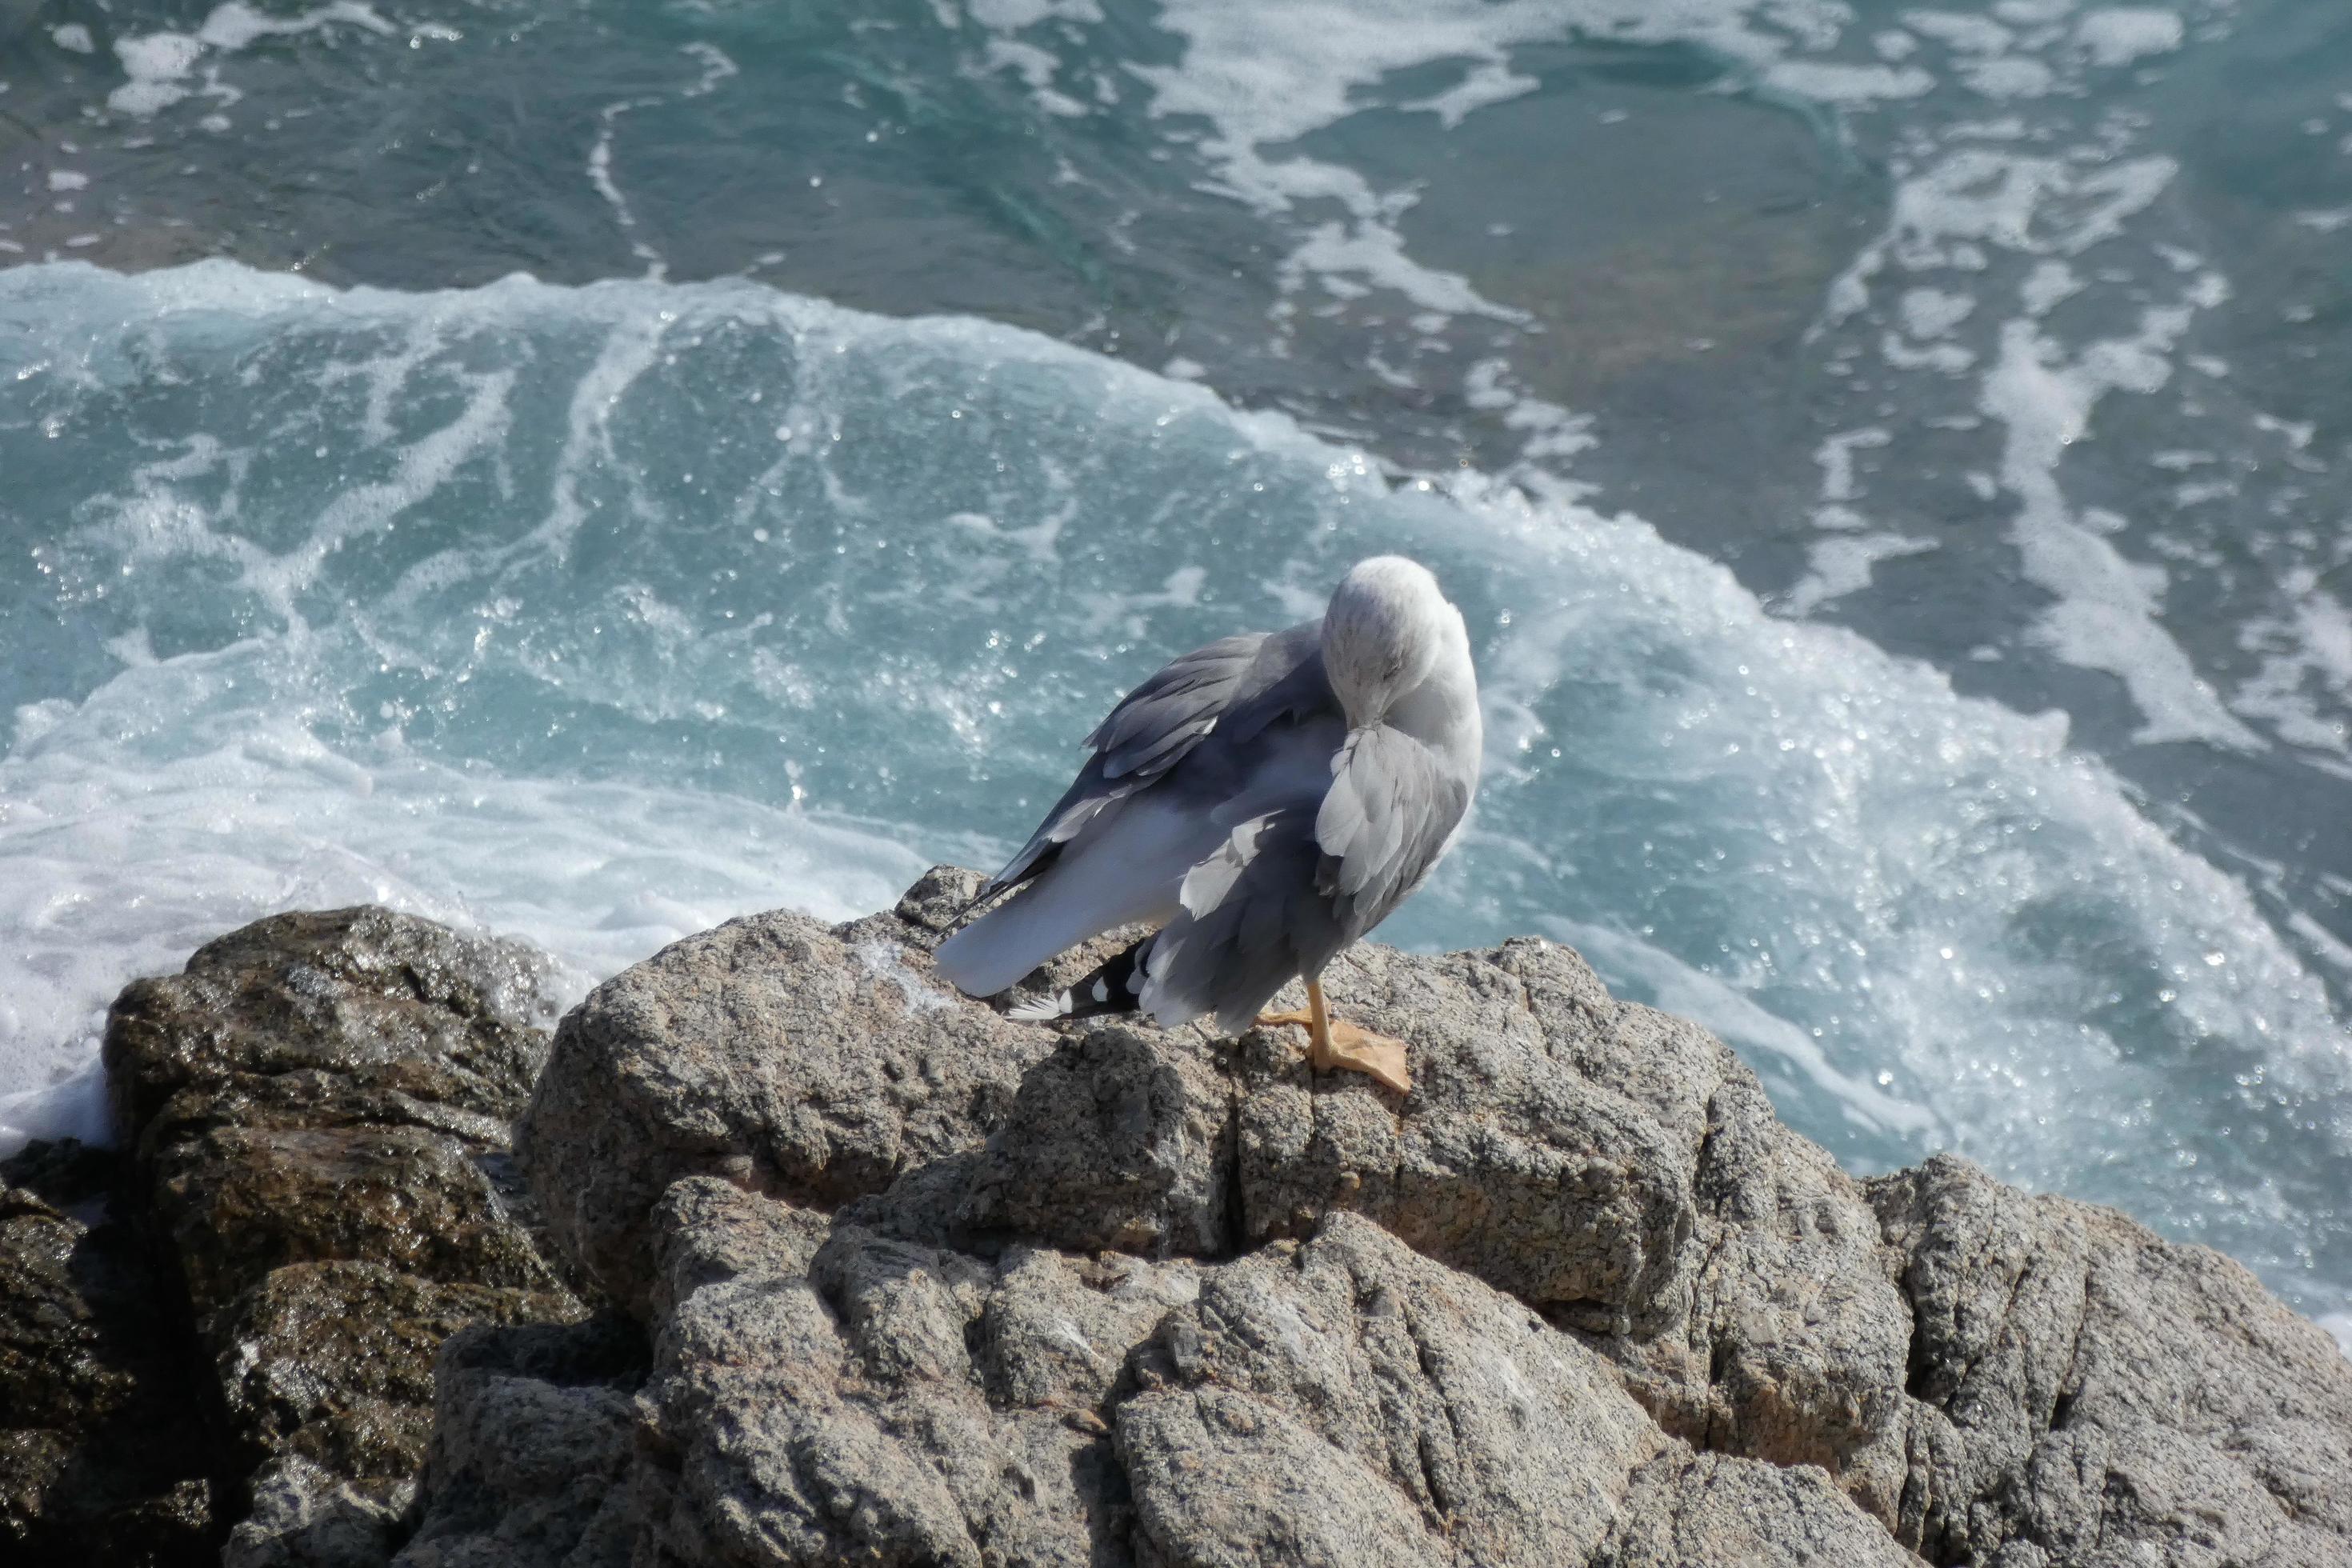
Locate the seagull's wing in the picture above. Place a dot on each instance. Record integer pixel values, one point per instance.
(1237, 684)
(1388, 816)
(1157, 722)
(1191, 751)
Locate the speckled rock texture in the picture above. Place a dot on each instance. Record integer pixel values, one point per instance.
(315, 1117)
(926, 1286)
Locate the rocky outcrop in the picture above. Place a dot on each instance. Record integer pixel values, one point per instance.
(927, 1285)
(883, 1277)
(316, 1118)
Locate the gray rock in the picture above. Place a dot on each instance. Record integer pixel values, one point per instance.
(1113, 1140)
(1555, 1186)
(2090, 1390)
(1686, 1507)
(813, 1063)
(1346, 1400)
(317, 1112)
(834, 1406)
(927, 1285)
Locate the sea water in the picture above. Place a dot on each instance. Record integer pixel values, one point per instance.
(1877, 454)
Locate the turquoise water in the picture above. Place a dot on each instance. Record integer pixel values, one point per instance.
(1887, 459)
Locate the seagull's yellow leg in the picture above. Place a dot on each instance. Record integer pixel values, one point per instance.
(1332, 1044)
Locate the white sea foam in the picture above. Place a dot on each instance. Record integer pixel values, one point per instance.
(2302, 685)
(1484, 85)
(235, 26)
(159, 64)
(1845, 563)
(1836, 457)
(717, 68)
(2108, 611)
(1934, 312)
(1839, 81)
(1994, 219)
(1012, 16)
(1261, 76)
(1259, 79)
(2118, 35)
(1968, 33)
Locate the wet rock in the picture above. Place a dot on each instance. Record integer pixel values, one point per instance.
(304, 1515)
(316, 1113)
(104, 1455)
(925, 1285)
(327, 1370)
(378, 999)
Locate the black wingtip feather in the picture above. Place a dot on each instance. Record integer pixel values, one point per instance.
(1114, 985)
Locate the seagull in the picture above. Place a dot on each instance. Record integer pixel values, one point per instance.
(1262, 803)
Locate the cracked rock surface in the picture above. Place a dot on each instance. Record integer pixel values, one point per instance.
(925, 1285)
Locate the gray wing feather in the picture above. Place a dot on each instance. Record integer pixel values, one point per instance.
(1387, 818)
(1231, 689)
(1162, 718)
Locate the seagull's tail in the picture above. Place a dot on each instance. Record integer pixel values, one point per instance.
(1126, 870)
(1115, 985)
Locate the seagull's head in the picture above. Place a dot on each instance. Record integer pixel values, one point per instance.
(1387, 631)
